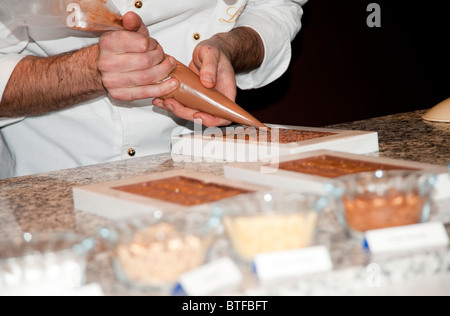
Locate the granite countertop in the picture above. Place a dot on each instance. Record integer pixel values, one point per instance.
(406, 136)
(43, 202)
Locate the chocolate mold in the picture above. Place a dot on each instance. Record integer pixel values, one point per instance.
(171, 191)
(309, 172)
(248, 144)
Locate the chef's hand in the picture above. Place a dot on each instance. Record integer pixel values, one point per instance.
(132, 64)
(215, 71)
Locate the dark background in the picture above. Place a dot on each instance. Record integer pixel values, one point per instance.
(342, 70)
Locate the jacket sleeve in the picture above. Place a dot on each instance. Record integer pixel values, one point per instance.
(13, 40)
(277, 22)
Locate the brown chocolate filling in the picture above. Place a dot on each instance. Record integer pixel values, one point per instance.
(334, 167)
(368, 211)
(284, 136)
(182, 190)
(98, 17)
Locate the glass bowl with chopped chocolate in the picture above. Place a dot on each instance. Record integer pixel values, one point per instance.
(381, 199)
(266, 222)
(151, 251)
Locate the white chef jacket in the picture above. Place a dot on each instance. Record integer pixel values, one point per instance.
(104, 129)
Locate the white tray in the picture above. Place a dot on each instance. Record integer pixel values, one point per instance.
(270, 175)
(198, 144)
(104, 199)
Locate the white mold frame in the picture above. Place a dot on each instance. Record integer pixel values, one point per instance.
(263, 174)
(203, 145)
(103, 199)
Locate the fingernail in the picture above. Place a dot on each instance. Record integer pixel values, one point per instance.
(157, 102)
(169, 106)
(173, 84)
(208, 78)
(173, 61)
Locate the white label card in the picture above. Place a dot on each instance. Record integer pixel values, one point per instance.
(291, 263)
(50, 289)
(407, 238)
(214, 277)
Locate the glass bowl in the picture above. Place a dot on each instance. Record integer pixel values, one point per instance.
(381, 199)
(268, 222)
(150, 252)
(43, 263)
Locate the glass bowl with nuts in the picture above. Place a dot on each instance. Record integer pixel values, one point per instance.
(150, 252)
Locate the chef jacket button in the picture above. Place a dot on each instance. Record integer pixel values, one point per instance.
(197, 36)
(131, 152)
(138, 4)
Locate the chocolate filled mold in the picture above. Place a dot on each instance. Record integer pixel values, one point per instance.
(333, 167)
(182, 190)
(275, 135)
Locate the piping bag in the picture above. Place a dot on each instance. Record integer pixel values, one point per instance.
(89, 15)
(194, 95)
(102, 15)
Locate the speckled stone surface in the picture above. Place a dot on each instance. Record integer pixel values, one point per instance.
(407, 136)
(42, 203)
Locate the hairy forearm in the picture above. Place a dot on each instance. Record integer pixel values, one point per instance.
(42, 85)
(243, 47)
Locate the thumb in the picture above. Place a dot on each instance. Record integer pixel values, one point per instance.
(133, 22)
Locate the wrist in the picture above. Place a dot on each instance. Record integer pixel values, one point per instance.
(88, 57)
(242, 46)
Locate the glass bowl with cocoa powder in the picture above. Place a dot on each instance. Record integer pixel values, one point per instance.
(150, 252)
(381, 199)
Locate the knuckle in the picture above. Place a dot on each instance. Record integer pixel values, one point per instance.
(104, 64)
(104, 41)
(132, 82)
(115, 94)
(159, 49)
(158, 54)
(143, 44)
(153, 43)
(145, 77)
(108, 39)
(145, 61)
(108, 82)
(122, 95)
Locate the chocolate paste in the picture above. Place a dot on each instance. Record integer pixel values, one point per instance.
(99, 16)
(182, 190)
(368, 211)
(334, 167)
(194, 95)
(283, 136)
